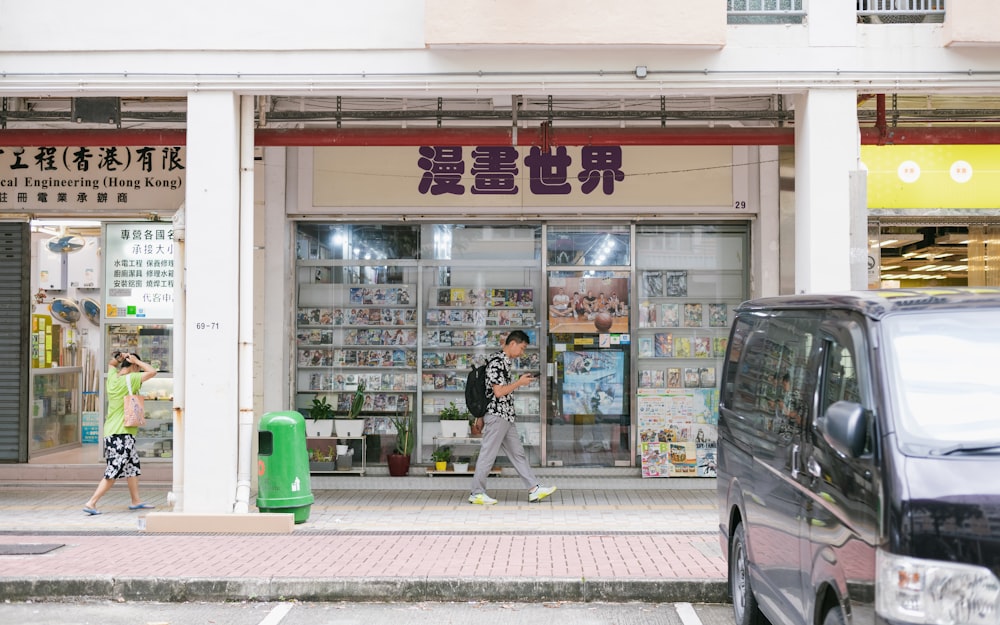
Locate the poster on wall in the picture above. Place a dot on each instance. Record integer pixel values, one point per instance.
(588, 301)
(678, 432)
(139, 270)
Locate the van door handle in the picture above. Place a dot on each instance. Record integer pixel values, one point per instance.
(813, 467)
(795, 462)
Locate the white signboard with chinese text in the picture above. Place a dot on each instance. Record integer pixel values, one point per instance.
(64, 180)
(139, 270)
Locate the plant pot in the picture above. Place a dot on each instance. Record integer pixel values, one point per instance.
(344, 462)
(455, 429)
(319, 467)
(399, 465)
(460, 467)
(349, 427)
(319, 427)
(441, 466)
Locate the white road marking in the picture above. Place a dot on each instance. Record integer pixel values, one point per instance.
(278, 614)
(687, 614)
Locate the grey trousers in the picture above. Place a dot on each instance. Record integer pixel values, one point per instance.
(501, 434)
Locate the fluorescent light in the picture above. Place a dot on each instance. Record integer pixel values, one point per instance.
(67, 223)
(899, 240)
(952, 239)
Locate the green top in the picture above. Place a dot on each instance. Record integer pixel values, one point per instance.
(114, 422)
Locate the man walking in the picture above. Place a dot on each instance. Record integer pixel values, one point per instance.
(499, 431)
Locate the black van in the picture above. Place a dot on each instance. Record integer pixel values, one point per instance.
(859, 458)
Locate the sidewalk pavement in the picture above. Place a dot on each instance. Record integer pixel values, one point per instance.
(378, 539)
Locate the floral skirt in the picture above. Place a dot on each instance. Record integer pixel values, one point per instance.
(122, 458)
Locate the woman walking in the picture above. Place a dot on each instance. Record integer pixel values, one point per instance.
(126, 373)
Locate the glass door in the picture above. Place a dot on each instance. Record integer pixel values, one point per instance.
(588, 297)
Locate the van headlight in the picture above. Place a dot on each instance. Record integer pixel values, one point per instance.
(912, 590)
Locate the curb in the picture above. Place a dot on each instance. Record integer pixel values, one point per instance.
(364, 589)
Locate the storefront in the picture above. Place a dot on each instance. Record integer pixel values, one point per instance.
(101, 271)
(934, 218)
(624, 280)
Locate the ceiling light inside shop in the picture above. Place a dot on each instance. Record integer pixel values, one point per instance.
(65, 223)
(952, 239)
(899, 240)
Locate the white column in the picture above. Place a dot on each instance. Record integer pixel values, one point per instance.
(765, 232)
(827, 149)
(277, 290)
(212, 208)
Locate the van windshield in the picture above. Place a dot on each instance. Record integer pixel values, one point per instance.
(944, 379)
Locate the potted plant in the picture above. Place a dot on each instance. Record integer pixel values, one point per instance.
(320, 460)
(461, 464)
(320, 421)
(399, 459)
(353, 425)
(454, 423)
(441, 456)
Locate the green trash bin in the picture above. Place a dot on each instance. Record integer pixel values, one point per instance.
(283, 465)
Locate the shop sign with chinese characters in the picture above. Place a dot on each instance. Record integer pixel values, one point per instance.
(502, 177)
(139, 270)
(48, 179)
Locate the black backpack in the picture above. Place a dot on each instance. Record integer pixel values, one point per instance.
(476, 397)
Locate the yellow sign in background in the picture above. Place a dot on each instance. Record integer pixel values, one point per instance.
(932, 176)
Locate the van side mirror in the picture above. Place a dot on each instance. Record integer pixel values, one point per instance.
(845, 428)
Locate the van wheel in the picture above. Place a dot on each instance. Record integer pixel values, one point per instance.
(834, 617)
(745, 607)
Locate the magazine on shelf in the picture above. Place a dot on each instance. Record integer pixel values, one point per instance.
(702, 346)
(706, 377)
(719, 344)
(663, 345)
(645, 347)
(670, 315)
(693, 316)
(718, 315)
(682, 347)
(692, 377)
(659, 378)
(676, 283)
(652, 284)
(674, 378)
(645, 378)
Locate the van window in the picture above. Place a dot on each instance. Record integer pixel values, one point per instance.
(841, 381)
(771, 382)
(943, 377)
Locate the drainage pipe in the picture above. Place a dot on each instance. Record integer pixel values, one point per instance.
(245, 353)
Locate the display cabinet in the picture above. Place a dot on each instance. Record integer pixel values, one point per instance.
(356, 321)
(154, 344)
(347, 334)
(462, 327)
(326, 448)
(54, 421)
(689, 279)
(688, 282)
(682, 328)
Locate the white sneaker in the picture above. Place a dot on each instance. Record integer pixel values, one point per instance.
(540, 492)
(482, 499)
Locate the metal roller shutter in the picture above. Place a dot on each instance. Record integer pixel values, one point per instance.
(15, 318)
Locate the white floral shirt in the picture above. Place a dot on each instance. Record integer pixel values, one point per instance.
(498, 372)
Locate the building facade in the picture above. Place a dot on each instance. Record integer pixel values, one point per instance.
(475, 159)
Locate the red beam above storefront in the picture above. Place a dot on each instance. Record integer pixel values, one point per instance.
(92, 137)
(556, 135)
